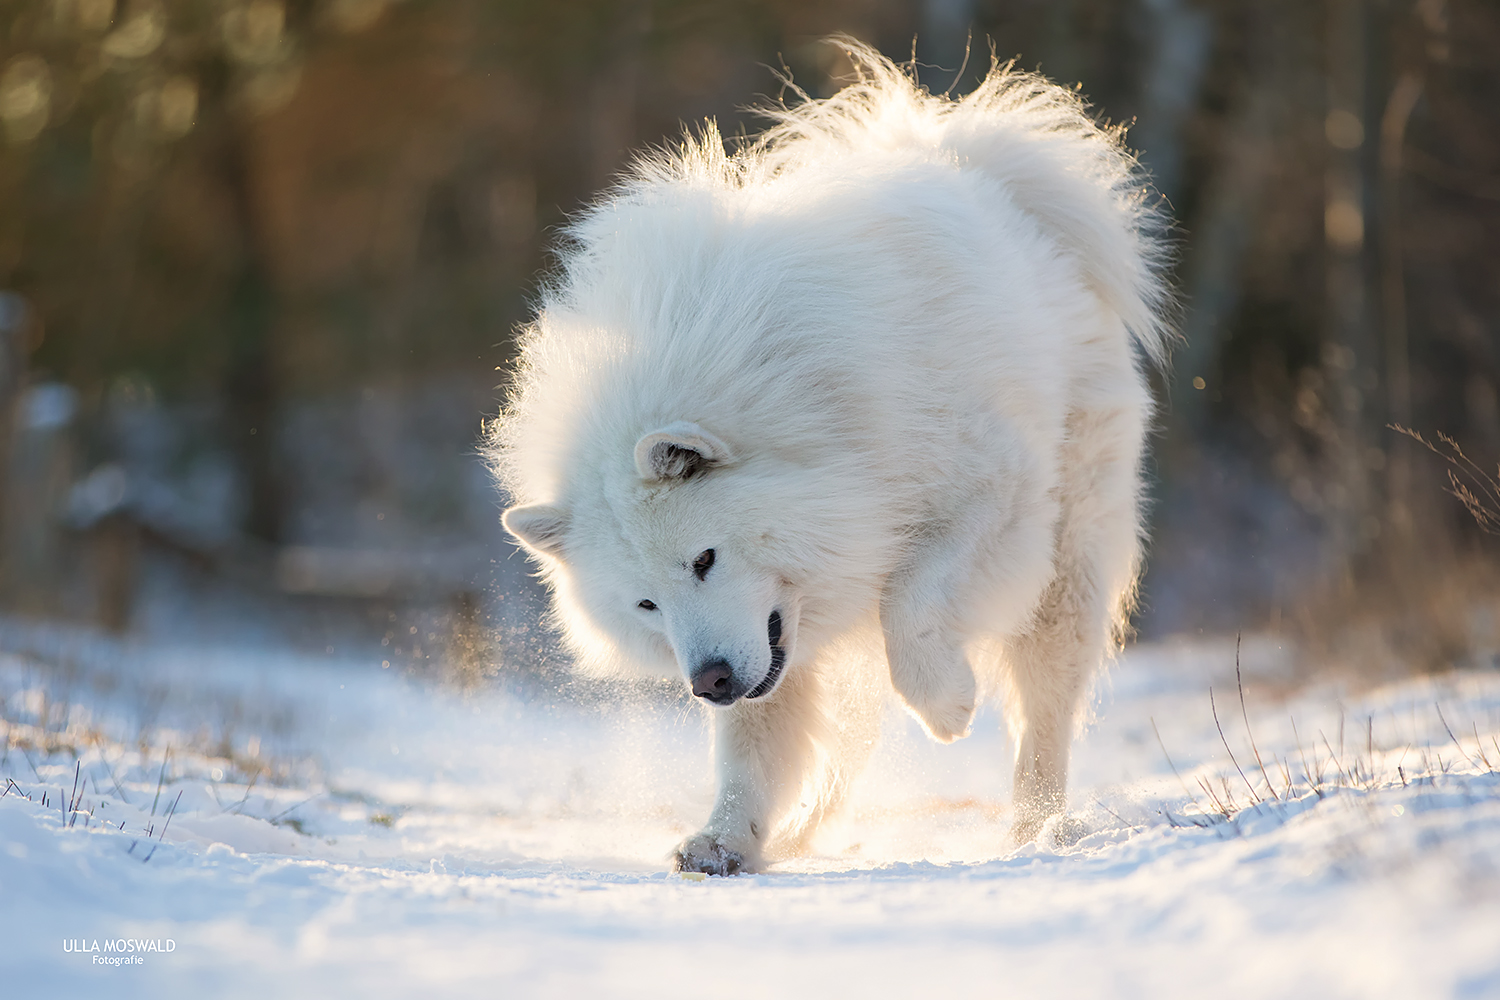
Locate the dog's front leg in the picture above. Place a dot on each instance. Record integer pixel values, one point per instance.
(764, 751)
(986, 565)
(922, 641)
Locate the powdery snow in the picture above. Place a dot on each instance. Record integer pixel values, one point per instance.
(509, 844)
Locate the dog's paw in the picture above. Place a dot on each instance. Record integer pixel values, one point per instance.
(1057, 830)
(945, 722)
(943, 703)
(936, 683)
(705, 853)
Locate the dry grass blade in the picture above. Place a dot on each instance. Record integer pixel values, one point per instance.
(72, 815)
(1316, 784)
(1338, 766)
(160, 837)
(1223, 739)
(1116, 815)
(1476, 489)
(299, 805)
(1244, 714)
(1479, 743)
(1225, 810)
(160, 778)
(109, 768)
(1452, 737)
(1159, 742)
(170, 813)
(246, 797)
(1185, 789)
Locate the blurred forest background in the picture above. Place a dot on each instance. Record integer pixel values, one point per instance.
(261, 261)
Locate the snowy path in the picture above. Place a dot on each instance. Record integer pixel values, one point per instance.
(495, 846)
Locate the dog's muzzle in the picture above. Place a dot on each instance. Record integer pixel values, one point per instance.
(714, 682)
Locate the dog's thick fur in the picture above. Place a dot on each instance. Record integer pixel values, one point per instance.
(860, 400)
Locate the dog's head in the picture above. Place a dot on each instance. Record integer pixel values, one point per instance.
(672, 558)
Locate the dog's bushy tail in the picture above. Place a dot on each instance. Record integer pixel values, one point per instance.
(1036, 138)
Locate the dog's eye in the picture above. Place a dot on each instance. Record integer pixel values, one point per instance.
(646, 605)
(703, 563)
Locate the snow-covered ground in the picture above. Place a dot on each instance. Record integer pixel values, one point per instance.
(323, 828)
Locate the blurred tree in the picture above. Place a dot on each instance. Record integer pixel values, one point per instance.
(260, 203)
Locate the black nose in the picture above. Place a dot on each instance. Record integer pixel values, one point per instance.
(712, 681)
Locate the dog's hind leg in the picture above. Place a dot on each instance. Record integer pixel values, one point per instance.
(1050, 665)
(1048, 670)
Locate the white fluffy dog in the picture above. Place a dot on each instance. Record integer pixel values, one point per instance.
(860, 400)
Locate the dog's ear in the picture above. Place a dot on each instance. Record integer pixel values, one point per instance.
(679, 451)
(539, 527)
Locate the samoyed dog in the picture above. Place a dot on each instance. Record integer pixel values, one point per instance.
(857, 407)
